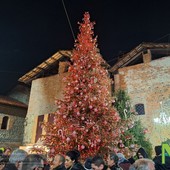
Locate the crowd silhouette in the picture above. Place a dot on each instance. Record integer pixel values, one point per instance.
(19, 159)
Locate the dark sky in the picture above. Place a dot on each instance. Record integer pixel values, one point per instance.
(33, 30)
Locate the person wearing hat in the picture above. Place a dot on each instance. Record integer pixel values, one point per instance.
(158, 159)
(141, 153)
(87, 164)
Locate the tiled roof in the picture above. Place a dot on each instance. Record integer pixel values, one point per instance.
(136, 52)
(34, 73)
(10, 101)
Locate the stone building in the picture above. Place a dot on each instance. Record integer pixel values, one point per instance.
(12, 118)
(144, 73)
(46, 85)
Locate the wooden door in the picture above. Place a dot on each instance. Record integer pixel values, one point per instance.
(39, 127)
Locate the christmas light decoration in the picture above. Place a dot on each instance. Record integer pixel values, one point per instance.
(163, 118)
(85, 119)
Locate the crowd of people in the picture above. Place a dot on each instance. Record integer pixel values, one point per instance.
(21, 160)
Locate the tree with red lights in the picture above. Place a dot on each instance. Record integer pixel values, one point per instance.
(85, 119)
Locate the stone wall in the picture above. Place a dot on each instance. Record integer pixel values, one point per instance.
(148, 83)
(13, 135)
(44, 91)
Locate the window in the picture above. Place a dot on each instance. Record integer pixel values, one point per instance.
(4, 124)
(140, 109)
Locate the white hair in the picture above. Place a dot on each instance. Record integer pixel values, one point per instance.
(17, 155)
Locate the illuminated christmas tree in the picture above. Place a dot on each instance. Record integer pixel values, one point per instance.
(85, 119)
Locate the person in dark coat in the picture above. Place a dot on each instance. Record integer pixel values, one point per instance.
(158, 159)
(1, 152)
(58, 162)
(5, 156)
(10, 166)
(141, 153)
(98, 163)
(15, 160)
(87, 164)
(33, 162)
(71, 160)
(123, 162)
(2, 163)
(112, 162)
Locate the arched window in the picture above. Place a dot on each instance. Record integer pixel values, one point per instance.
(4, 124)
(140, 109)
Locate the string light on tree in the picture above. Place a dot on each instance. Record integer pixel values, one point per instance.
(85, 119)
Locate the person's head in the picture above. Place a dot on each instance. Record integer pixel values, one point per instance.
(97, 163)
(144, 164)
(112, 159)
(58, 160)
(71, 158)
(33, 162)
(17, 157)
(158, 150)
(121, 158)
(141, 153)
(87, 164)
(2, 163)
(7, 151)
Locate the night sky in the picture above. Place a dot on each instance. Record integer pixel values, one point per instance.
(33, 30)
